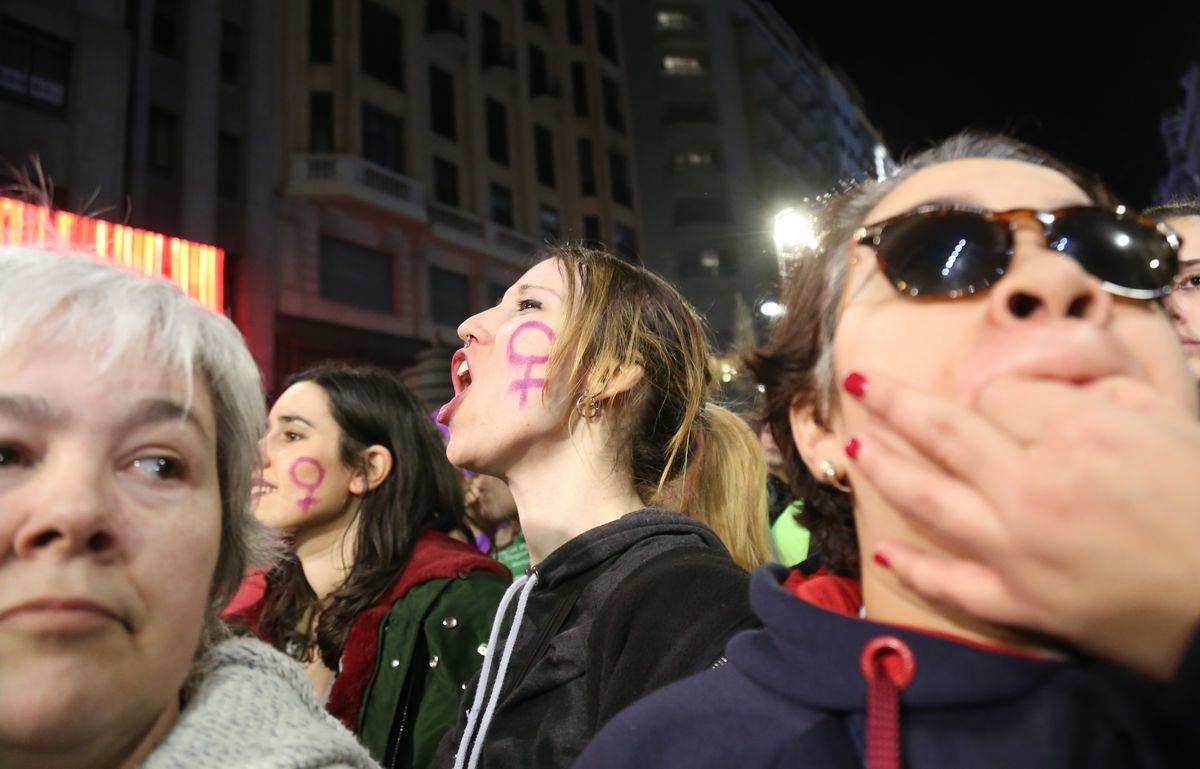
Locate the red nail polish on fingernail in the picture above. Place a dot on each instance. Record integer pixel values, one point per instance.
(852, 447)
(882, 560)
(855, 384)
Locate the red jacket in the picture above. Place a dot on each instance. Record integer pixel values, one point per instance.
(434, 556)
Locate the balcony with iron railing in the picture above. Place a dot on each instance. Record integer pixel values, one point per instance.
(355, 178)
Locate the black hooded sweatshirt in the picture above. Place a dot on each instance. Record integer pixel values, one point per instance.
(616, 613)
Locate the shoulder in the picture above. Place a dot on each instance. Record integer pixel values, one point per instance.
(679, 582)
(712, 719)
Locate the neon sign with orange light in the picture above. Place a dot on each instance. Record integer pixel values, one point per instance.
(198, 269)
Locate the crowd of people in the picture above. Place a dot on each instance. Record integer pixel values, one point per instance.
(961, 531)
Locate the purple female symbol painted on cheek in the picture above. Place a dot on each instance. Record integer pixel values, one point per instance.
(309, 486)
(515, 358)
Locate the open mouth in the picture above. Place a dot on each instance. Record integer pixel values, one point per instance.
(460, 372)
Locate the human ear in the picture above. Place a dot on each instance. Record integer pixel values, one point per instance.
(818, 446)
(375, 467)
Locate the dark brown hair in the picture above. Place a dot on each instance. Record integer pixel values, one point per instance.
(422, 492)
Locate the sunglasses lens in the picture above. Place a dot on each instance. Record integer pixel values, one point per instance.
(944, 253)
(1122, 252)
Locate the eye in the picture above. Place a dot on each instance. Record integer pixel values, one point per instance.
(290, 436)
(12, 456)
(159, 468)
(1189, 282)
(529, 304)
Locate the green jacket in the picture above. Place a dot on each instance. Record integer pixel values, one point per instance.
(430, 646)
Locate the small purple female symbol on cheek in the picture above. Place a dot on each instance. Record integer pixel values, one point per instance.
(309, 486)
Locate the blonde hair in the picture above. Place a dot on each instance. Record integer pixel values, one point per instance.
(686, 453)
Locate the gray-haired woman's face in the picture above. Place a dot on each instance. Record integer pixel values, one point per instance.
(110, 523)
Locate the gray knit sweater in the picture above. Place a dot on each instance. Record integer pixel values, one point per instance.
(252, 708)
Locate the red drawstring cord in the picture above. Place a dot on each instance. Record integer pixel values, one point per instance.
(888, 665)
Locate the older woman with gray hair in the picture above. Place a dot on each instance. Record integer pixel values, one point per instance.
(129, 417)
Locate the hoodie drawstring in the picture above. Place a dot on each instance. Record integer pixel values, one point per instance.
(525, 585)
(889, 666)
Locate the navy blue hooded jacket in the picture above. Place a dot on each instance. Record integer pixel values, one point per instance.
(795, 694)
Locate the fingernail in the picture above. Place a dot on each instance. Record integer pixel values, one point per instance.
(855, 384)
(882, 560)
(852, 447)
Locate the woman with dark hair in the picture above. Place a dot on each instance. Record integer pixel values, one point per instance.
(991, 421)
(384, 607)
(1183, 303)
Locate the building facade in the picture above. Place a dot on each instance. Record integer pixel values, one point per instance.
(376, 170)
(734, 119)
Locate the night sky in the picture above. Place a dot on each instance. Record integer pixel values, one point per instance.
(1087, 81)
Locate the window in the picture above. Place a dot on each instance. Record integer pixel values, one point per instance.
(449, 298)
(693, 159)
(229, 166)
(707, 262)
(539, 75)
(606, 35)
(587, 170)
(674, 20)
(164, 30)
(497, 131)
(579, 94)
(355, 275)
(383, 138)
(502, 205)
(445, 182)
(591, 232)
(381, 34)
(34, 66)
(231, 53)
(535, 13)
(682, 65)
(493, 42)
(618, 171)
(442, 117)
(702, 211)
(320, 31)
(162, 151)
(543, 144)
(548, 223)
(320, 122)
(614, 117)
(625, 242)
(574, 23)
(677, 113)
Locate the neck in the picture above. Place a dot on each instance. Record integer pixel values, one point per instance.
(889, 602)
(326, 552)
(571, 489)
(105, 752)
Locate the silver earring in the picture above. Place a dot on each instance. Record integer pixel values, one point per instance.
(831, 477)
(588, 407)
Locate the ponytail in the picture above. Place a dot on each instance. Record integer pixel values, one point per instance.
(725, 486)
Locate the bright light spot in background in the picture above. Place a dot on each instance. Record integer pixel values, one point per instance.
(883, 162)
(1122, 240)
(771, 309)
(793, 230)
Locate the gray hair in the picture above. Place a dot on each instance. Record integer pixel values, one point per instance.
(796, 364)
(111, 312)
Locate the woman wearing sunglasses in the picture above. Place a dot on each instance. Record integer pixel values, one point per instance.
(1184, 302)
(989, 416)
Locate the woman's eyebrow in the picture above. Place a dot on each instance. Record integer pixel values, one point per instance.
(31, 408)
(154, 410)
(291, 418)
(527, 286)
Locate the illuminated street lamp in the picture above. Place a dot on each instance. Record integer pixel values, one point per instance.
(793, 230)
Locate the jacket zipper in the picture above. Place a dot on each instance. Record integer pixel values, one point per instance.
(399, 736)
